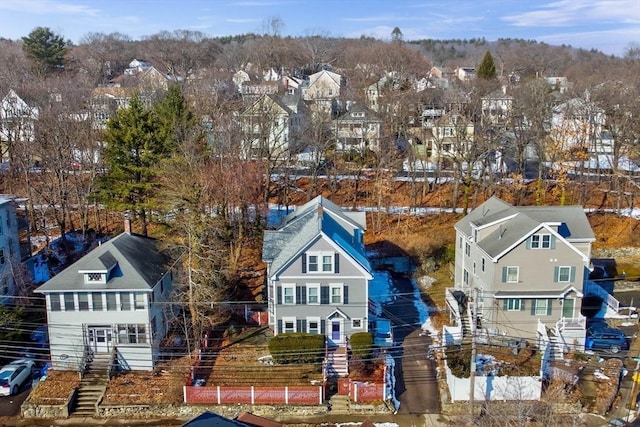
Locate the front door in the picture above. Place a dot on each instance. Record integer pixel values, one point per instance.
(567, 308)
(99, 339)
(336, 331)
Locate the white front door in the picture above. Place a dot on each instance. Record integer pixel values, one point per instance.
(100, 339)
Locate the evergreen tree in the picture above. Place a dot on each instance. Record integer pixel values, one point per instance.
(487, 69)
(45, 49)
(172, 120)
(131, 156)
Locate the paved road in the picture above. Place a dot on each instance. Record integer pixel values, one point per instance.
(10, 405)
(416, 386)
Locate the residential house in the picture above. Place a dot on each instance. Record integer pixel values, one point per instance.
(14, 249)
(441, 73)
(496, 107)
(267, 127)
(318, 272)
(111, 301)
(17, 123)
(522, 270)
(465, 73)
(560, 84)
(322, 90)
(137, 66)
(357, 129)
(577, 124)
(449, 139)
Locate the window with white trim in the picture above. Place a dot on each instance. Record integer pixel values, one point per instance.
(288, 325)
(313, 294)
(356, 323)
(512, 274)
(541, 241)
(514, 304)
(564, 274)
(465, 276)
(138, 301)
(482, 263)
(336, 294)
(467, 249)
(313, 325)
(83, 301)
(320, 262)
(289, 294)
(54, 301)
(542, 305)
(132, 334)
(69, 302)
(2, 257)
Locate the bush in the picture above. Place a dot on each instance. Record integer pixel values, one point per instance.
(361, 345)
(297, 348)
(459, 362)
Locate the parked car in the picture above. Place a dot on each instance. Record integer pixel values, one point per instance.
(605, 338)
(14, 375)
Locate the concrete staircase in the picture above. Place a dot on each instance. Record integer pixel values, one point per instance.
(92, 386)
(339, 404)
(337, 361)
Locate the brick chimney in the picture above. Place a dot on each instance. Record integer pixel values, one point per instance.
(127, 222)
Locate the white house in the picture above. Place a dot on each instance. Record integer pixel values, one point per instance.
(111, 301)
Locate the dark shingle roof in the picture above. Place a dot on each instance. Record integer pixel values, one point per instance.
(140, 265)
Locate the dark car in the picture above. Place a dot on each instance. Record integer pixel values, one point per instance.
(605, 338)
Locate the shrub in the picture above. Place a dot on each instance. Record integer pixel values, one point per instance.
(298, 348)
(459, 362)
(361, 344)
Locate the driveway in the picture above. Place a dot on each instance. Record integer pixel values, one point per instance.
(416, 386)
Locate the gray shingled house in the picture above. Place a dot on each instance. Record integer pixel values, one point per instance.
(318, 273)
(111, 301)
(520, 271)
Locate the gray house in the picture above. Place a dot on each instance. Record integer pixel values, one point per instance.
(520, 271)
(111, 301)
(317, 272)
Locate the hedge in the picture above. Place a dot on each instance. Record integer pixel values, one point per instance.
(297, 348)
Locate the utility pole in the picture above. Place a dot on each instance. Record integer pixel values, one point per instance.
(472, 374)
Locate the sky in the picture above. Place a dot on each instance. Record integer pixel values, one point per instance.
(606, 25)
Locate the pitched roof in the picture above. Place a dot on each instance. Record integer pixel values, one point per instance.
(516, 222)
(208, 419)
(137, 262)
(306, 224)
(255, 421)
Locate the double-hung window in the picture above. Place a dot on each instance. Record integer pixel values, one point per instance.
(320, 262)
(511, 274)
(541, 241)
(336, 294)
(564, 274)
(542, 305)
(288, 294)
(313, 294)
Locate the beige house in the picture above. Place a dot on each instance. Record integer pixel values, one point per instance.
(357, 129)
(267, 127)
(520, 271)
(322, 89)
